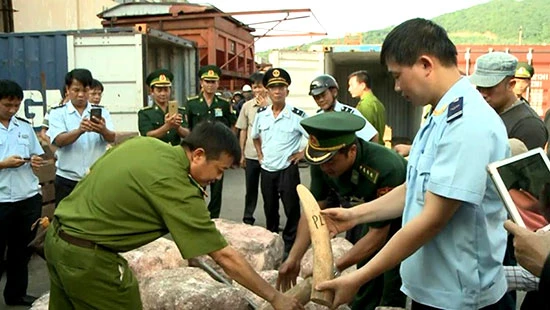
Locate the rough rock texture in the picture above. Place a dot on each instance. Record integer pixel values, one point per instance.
(41, 303)
(271, 277)
(339, 247)
(260, 247)
(152, 257)
(188, 289)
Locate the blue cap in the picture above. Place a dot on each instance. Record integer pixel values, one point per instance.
(492, 68)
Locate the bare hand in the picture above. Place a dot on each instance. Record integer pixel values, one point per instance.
(296, 157)
(173, 121)
(344, 288)
(282, 302)
(98, 124)
(86, 125)
(288, 273)
(402, 149)
(531, 248)
(243, 162)
(14, 161)
(36, 163)
(338, 220)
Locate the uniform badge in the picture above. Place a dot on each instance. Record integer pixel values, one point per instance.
(354, 177)
(454, 111)
(218, 112)
(210, 73)
(276, 73)
(313, 141)
(162, 77)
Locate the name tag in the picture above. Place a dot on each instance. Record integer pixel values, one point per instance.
(218, 112)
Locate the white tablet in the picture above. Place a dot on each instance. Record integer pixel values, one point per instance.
(519, 181)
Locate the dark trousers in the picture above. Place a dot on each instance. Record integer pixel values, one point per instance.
(63, 187)
(16, 219)
(282, 184)
(215, 204)
(499, 305)
(252, 178)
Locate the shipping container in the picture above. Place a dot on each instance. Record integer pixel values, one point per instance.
(401, 116)
(340, 61)
(120, 58)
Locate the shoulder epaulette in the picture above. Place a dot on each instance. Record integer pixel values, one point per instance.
(346, 109)
(318, 111)
(57, 107)
(22, 119)
(97, 106)
(223, 98)
(147, 108)
(369, 173)
(298, 112)
(182, 108)
(454, 110)
(262, 109)
(193, 97)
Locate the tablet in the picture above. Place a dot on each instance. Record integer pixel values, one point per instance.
(519, 181)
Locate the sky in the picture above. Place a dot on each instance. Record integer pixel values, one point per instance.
(336, 18)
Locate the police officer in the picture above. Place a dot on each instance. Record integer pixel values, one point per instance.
(155, 121)
(208, 106)
(524, 73)
(158, 189)
(344, 167)
(324, 90)
(80, 138)
(20, 199)
(277, 136)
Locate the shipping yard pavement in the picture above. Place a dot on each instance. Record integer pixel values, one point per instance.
(232, 209)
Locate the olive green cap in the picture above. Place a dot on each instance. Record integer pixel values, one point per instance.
(160, 78)
(328, 133)
(210, 73)
(524, 71)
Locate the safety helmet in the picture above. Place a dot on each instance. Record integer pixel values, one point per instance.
(322, 83)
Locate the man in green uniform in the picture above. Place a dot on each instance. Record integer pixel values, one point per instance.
(523, 75)
(107, 214)
(344, 167)
(207, 106)
(369, 105)
(155, 121)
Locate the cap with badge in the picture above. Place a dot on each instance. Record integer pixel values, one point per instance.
(492, 68)
(524, 71)
(328, 133)
(276, 76)
(210, 73)
(160, 78)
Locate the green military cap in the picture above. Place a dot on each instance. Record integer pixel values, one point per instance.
(524, 71)
(276, 76)
(210, 73)
(329, 132)
(160, 78)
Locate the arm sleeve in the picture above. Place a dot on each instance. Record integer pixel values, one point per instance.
(57, 125)
(367, 132)
(255, 134)
(35, 147)
(144, 123)
(242, 120)
(186, 217)
(183, 112)
(108, 121)
(318, 186)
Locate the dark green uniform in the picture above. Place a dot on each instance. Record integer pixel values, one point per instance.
(119, 213)
(375, 171)
(152, 117)
(220, 110)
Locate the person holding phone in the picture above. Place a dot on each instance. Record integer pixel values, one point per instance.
(81, 137)
(20, 199)
(164, 120)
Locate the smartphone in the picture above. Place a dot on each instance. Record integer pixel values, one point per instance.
(172, 107)
(26, 158)
(97, 113)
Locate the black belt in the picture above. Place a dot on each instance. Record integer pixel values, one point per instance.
(76, 241)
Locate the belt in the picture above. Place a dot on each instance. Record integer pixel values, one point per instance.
(76, 241)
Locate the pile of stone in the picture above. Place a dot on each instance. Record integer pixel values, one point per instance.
(168, 282)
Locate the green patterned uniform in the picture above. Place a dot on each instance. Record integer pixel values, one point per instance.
(375, 172)
(137, 192)
(152, 117)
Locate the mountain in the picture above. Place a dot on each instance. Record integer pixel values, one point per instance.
(494, 22)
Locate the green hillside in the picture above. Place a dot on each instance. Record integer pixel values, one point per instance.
(495, 22)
